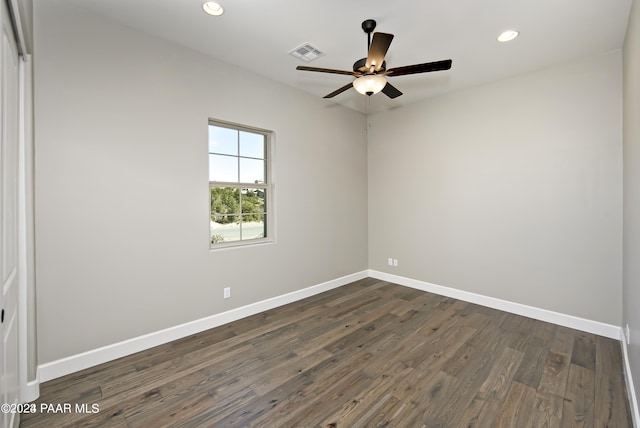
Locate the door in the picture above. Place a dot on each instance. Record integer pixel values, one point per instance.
(9, 170)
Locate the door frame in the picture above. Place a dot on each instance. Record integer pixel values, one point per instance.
(21, 14)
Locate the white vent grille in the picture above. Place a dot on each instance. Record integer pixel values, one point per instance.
(306, 52)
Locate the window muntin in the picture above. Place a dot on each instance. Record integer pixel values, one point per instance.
(239, 184)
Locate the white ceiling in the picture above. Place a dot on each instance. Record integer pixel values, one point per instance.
(257, 36)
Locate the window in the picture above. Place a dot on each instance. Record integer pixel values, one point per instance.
(239, 184)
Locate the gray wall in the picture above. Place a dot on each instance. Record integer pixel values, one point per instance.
(122, 193)
(631, 287)
(511, 190)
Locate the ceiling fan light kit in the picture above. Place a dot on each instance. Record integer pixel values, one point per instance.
(371, 72)
(370, 84)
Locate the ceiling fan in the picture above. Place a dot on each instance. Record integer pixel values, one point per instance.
(371, 72)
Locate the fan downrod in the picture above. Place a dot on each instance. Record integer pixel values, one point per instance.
(368, 26)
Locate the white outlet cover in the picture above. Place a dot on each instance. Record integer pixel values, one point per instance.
(628, 334)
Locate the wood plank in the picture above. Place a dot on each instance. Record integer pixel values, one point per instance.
(563, 341)
(483, 409)
(609, 411)
(584, 350)
(555, 374)
(547, 412)
(341, 330)
(359, 408)
(517, 407)
(578, 408)
(426, 397)
(534, 362)
(475, 377)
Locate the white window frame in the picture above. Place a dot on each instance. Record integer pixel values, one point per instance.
(269, 211)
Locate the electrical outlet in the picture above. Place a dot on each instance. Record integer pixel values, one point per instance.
(390, 261)
(628, 334)
(395, 262)
(227, 292)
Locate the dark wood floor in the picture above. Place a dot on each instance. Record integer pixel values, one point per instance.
(367, 354)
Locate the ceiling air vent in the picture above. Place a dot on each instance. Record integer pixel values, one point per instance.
(306, 52)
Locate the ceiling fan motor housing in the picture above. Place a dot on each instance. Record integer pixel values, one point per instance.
(360, 66)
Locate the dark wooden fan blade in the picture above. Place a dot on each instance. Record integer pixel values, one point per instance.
(339, 91)
(419, 68)
(326, 70)
(378, 49)
(391, 91)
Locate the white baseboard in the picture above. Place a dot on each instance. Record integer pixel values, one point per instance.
(595, 327)
(633, 400)
(74, 363)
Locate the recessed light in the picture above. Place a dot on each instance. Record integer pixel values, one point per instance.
(213, 8)
(508, 35)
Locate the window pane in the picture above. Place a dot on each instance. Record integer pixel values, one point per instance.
(255, 228)
(223, 168)
(251, 171)
(225, 205)
(238, 160)
(223, 140)
(224, 232)
(252, 145)
(253, 203)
